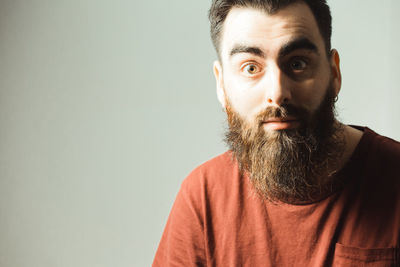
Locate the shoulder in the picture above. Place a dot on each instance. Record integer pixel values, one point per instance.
(211, 173)
(214, 182)
(379, 160)
(384, 149)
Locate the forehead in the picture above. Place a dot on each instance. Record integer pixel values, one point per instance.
(249, 26)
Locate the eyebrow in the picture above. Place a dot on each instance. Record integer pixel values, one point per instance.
(296, 44)
(237, 49)
(287, 48)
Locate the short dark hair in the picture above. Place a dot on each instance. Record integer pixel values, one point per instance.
(220, 8)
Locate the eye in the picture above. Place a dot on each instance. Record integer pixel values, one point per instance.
(298, 64)
(251, 69)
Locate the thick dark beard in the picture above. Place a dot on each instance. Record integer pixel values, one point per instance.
(293, 166)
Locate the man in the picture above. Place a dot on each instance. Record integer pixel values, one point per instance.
(297, 188)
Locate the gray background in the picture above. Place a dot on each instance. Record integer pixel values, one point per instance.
(105, 107)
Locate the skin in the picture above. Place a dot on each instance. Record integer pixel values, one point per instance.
(269, 60)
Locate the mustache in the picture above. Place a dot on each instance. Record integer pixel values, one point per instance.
(282, 112)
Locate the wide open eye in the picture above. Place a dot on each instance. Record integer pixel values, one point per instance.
(298, 64)
(251, 69)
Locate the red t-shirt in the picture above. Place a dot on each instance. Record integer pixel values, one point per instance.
(218, 220)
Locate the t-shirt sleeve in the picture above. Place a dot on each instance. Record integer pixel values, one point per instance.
(182, 243)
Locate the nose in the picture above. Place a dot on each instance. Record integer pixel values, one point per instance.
(278, 90)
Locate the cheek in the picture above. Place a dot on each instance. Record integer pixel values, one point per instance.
(246, 99)
(310, 94)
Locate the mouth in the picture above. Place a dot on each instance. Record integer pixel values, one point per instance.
(276, 124)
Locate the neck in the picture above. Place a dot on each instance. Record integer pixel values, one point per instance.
(352, 137)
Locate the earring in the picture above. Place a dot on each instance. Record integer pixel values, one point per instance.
(336, 99)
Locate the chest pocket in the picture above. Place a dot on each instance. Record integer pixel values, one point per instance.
(368, 257)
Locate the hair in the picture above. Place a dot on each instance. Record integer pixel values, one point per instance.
(294, 165)
(220, 8)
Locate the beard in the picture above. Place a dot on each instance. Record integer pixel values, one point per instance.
(294, 165)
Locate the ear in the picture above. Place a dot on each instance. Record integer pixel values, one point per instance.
(217, 68)
(335, 69)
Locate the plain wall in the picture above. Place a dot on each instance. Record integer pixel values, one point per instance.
(106, 106)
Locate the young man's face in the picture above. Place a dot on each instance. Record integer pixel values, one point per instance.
(272, 60)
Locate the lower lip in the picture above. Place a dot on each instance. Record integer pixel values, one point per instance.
(281, 125)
